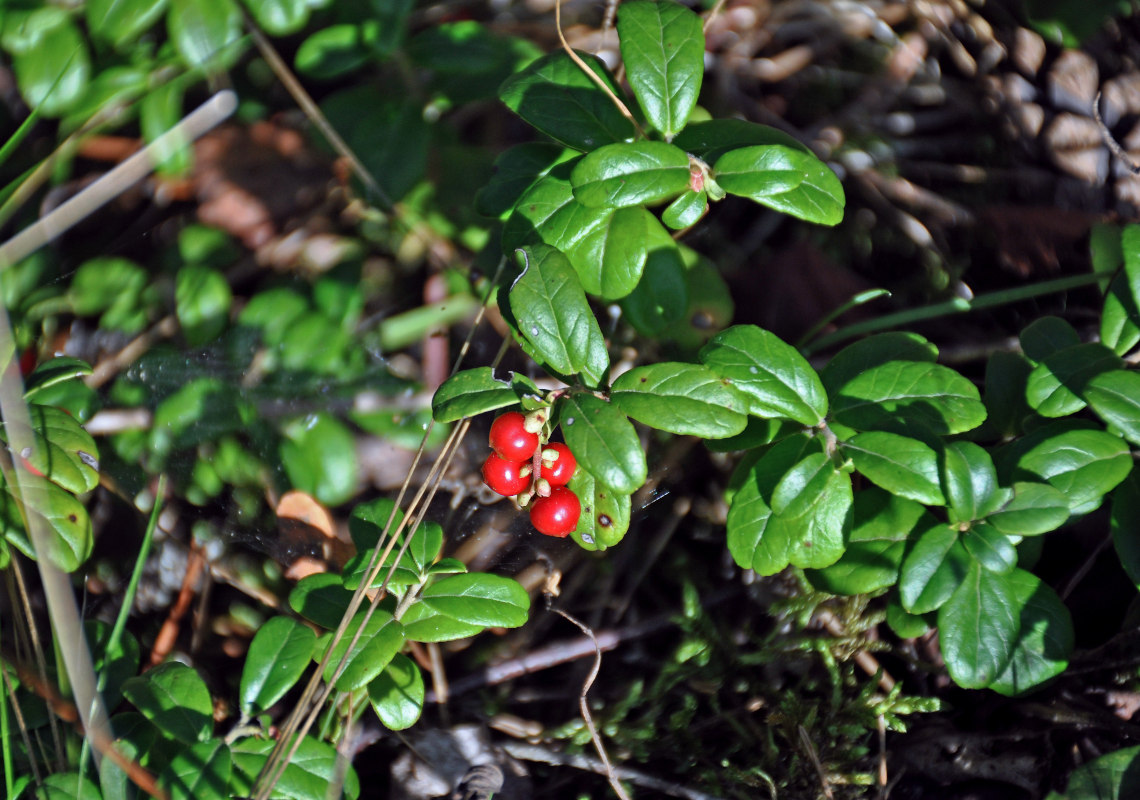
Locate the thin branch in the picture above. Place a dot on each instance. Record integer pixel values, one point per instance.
(584, 706)
(1116, 149)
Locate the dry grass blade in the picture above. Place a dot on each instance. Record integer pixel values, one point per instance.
(118, 180)
(309, 705)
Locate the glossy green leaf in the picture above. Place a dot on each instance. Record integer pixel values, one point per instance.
(1082, 464)
(811, 532)
(1125, 525)
(278, 655)
(1115, 397)
(311, 770)
(978, 627)
(604, 441)
(61, 450)
(319, 455)
(903, 466)
(1056, 384)
(67, 786)
(479, 598)
(785, 179)
(1048, 335)
(777, 380)
(280, 17)
(710, 139)
(904, 624)
(447, 566)
(969, 479)
(516, 170)
(203, 30)
(1120, 317)
(874, 351)
(424, 624)
(663, 48)
(1115, 776)
(1006, 377)
(686, 210)
(103, 283)
(202, 299)
(1045, 641)
(1035, 508)
(321, 598)
(53, 372)
(881, 524)
(552, 314)
(662, 295)
(175, 699)
(686, 399)
(555, 96)
(120, 22)
(367, 522)
(200, 772)
(610, 255)
(605, 513)
(381, 637)
(607, 247)
(630, 174)
(336, 50)
(990, 547)
(54, 74)
(931, 394)
(475, 391)
(933, 569)
(397, 694)
(69, 527)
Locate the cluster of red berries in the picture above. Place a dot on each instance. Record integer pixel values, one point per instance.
(521, 469)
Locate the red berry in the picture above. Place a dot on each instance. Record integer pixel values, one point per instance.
(510, 439)
(506, 477)
(561, 469)
(558, 514)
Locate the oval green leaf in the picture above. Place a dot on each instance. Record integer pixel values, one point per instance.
(777, 380)
(875, 548)
(874, 351)
(1035, 508)
(203, 30)
(1044, 642)
(321, 598)
(978, 627)
(1084, 465)
(200, 772)
(1047, 335)
(785, 179)
(424, 624)
(319, 455)
(479, 598)
(397, 694)
(278, 655)
(932, 570)
(555, 96)
(475, 391)
(605, 513)
(663, 49)
(991, 548)
(1056, 384)
(630, 174)
(550, 309)
(175, 699)
(903, 466)
(604, 441)
(970, 481)
(1115, 397)
(686, 399)
(929, 394)
(381, 638)
(686, 210)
